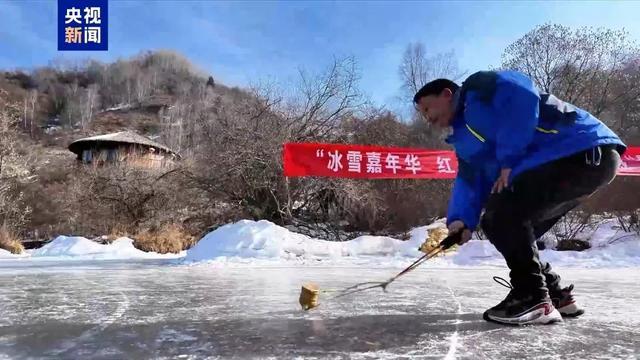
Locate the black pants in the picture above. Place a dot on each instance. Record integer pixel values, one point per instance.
(537, 199)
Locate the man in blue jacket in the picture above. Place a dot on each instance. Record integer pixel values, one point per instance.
(526, 158)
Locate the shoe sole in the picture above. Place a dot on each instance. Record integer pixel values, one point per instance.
(571, 310)
(541, 314)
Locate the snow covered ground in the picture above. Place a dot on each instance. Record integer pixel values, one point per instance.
(79, 248)
(262, 243)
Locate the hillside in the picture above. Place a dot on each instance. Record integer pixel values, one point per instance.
(154, 94)
(230, 142)
(224, 135)
(71, 100)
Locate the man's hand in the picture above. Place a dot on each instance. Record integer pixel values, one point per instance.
(457, 226)
(502, 182)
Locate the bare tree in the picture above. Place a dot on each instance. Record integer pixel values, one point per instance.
(143, 86)
(33, 104)
(242, 134)
(418, 68)
(88, 105)
(324, 99)
(580, 66)
(14, 213)
(30, 103)
(121, 196)
(71, 110)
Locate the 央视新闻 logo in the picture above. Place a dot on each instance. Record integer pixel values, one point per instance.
(83, 25)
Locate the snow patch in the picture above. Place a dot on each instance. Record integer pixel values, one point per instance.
(84, 249)
(4, 254)
(618, 254)
(118, 107)
(262, 242)
(477, 252)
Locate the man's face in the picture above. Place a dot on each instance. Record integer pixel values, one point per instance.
(437, 109)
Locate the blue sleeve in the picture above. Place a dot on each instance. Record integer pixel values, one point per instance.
(470, 192)
(517, 101)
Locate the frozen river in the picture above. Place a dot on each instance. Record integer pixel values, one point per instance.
(152, 309)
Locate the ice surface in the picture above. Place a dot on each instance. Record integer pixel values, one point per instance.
(150, 308)
(146, 309)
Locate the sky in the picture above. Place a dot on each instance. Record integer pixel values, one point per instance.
(241, 43)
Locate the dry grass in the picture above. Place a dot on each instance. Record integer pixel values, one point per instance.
(117, 232)
(433, 240)
(171, 238)
(9, 241)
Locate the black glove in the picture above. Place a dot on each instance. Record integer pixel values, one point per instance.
(452, 239)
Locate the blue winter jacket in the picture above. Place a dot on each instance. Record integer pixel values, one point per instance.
(502, 121)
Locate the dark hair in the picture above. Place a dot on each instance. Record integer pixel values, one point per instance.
(435, 87)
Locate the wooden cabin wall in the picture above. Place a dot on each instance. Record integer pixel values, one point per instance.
(131, 155)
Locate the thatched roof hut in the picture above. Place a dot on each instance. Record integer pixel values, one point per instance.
(123, 146)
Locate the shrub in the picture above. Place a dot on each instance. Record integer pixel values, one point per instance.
(169, 238)
(9, 241)
(117, 231)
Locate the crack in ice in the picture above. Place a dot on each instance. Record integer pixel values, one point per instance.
(454, 340)
(103, 323)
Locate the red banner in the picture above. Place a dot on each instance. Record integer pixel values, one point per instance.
(630, 162)
(377, 162)
(370, 162)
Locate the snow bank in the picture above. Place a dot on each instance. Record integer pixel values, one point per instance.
(264, 243)
(615, 255)
(69, 246)
(84, 249)
(265, 240)
(610, 246)
(261, 242)
(4, 254)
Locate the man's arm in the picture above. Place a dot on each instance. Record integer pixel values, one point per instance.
(470, 192)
